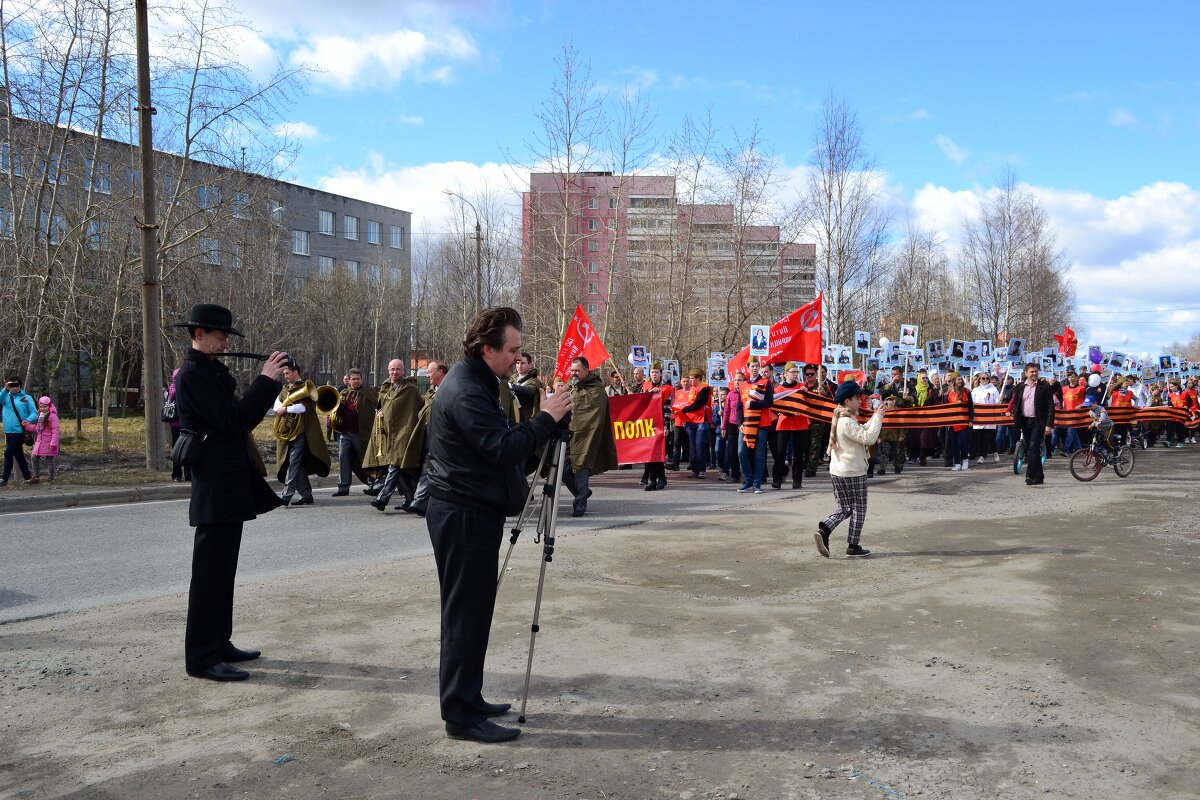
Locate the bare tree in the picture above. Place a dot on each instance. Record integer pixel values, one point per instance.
(844, 215)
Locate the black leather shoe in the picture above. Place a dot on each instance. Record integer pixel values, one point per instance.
(220, 672)
(578, 512)
(495, 709)
(341, 493)
(379, 505)
(371, 491)
(405, 507)
(305, 501)
(234, 655)
(650, 487)
(487, 732)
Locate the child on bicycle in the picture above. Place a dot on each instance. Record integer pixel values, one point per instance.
(1103, 425)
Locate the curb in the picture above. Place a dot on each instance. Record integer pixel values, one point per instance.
(56, 500)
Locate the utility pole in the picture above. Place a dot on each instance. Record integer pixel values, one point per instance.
(151, 312)
(478, 251)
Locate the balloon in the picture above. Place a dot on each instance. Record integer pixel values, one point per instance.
(884, 342)
(1124, 340)
(630, 357)
(1095, 356)
(1094, 380)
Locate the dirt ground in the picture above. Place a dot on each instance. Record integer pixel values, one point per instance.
(1004, 642)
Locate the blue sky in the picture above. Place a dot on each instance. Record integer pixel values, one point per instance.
(1096, 106)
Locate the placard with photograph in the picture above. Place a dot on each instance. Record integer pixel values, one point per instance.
(760, 343)
(845, 358)
(639, 357)
(908, 334)
(671, 371)
(716, 370)
(957, 350)
(985, 349)
(1047, 365)
(862, 343)
(1016, 349)
(828, 356)
(935, 349)
(895, 349)
(971, 355)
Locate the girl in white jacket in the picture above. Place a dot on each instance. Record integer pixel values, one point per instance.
(848, 443)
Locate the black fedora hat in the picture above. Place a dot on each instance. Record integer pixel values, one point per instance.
(210, 317)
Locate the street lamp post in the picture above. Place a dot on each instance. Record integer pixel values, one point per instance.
(478, 251)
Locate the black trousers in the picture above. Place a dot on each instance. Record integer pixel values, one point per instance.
(1035, 438)
(799, 441)
(14, 450)
(210, 599)
(466, 546)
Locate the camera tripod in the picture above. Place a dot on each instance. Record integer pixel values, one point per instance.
(550, 479)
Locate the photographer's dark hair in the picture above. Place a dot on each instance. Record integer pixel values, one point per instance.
(12, 379)
(488, 329)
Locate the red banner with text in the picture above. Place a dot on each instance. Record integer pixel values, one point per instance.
(637, 421)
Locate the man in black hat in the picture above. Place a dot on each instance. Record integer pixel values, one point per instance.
(227, 487)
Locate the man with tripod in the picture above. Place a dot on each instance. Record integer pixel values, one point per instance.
(476, 478)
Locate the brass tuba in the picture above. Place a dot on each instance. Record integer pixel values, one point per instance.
(326, 399)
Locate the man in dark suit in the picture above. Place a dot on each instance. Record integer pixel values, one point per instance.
(1033, 415)
(477, 456)
(227, 486)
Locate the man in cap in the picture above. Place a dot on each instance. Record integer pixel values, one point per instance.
(355, 420)
(228, 486)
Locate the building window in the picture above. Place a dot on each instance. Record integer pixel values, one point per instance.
(395, 276)
(52, 227)
(372, 232)
(593, 203)
(6, 224)
(300, 243)
(593, 289)
(593, 224)
(593, 267)
(612, 202)
(99, 175)
(350, 227)
(241, 205)
(397, 238)
(210, 252)
(209, 197)
(325, 267)
(352, 268)
(592, 308)
(55, 169)
(373, 273)
(236, 257)
(593, 246)
(97, 234)
(10, 159)
(276, 212)
(134, 177)
(325, 223)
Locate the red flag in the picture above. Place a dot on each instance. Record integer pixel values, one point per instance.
(579, 339)
(797, 337)
(638, 430)
(1067, 341)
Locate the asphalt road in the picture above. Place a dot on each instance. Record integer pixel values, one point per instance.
(79, 558)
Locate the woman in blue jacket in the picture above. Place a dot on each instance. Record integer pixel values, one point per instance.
(19, 410)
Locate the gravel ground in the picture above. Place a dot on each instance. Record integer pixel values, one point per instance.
(1003, 642)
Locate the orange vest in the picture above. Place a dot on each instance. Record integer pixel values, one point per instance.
(958, 397)
(760, 386)
(1178, 399)
(790, 422)
(1072, 398)
(1121, 399)
(701, 414)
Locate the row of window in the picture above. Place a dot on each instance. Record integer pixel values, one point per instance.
(350, 228)
(301, 240)
(594, 202)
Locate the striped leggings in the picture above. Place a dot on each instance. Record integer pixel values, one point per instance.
(851, 494)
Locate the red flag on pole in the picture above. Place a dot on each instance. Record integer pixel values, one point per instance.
(579, 339)
(797, 337)
(1067, 341)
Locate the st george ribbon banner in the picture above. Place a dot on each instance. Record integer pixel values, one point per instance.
(638, 430)
(579, 339)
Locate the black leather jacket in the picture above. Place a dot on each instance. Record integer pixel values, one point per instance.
(476, 453)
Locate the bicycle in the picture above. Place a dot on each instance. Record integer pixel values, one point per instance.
(1019, 455)
(1087, 463)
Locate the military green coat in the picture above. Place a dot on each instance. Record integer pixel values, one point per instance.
(391, 441)
(593, 445)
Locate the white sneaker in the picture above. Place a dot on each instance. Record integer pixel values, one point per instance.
(956, 468)
(980, 461)
(996, 457)
(966, 465)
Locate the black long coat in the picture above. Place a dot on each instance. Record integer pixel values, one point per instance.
(226, 485)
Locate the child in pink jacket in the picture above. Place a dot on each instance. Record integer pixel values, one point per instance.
(46, 445)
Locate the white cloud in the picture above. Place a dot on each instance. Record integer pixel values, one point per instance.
(347, 62)
(1134, 253)
(952, 151)
(916, 115)
(1122, 118)
(297, 130)
(421, 188)
(410, 119)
